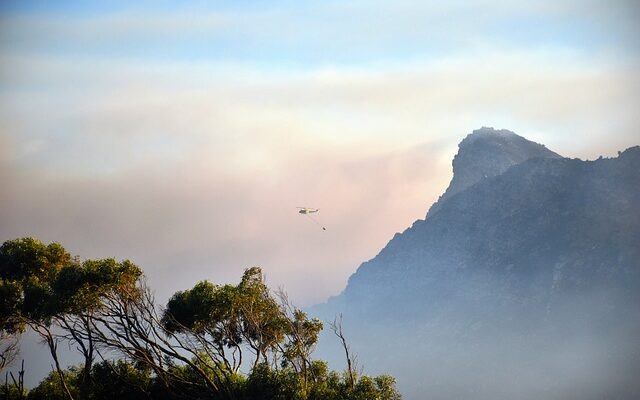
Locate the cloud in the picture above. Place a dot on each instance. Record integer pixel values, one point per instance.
(183, 222)
(193, 166)
(130, 111)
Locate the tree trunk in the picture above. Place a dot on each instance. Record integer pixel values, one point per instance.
(53, 347)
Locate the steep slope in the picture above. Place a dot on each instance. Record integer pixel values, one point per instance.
(488, 152)
(521, 284)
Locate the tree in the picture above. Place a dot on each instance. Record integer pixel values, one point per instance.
(263, 321)
(129, 324)
(28, 266)
(50, 291)
(224, 321)
(336, 327)
(193, 348)
(301, 337)
(80, 290)
(10, 326)
(120, 380)
(51, 388)
(208, 315)
(108, 379)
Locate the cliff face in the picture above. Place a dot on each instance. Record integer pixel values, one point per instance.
(525, 249)
(488, 152)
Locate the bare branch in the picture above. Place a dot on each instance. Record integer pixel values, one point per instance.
(336, 327)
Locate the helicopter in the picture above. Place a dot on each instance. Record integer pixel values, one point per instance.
(306, 211)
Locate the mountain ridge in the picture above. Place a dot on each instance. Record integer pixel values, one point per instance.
(545, 251)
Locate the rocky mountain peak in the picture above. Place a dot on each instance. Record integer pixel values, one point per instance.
(488, 152)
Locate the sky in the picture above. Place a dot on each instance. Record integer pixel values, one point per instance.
(183, 135)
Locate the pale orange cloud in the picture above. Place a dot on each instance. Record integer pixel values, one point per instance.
(194, 170)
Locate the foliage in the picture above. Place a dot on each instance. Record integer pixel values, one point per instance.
(50, 387)
(10, 392)
(27, 257)
(122, 381)
(267, 383)
(108, 379)
(194, 348)
(43, 287)
(119, 380)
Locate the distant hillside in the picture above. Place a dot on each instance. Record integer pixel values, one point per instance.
(522, 282)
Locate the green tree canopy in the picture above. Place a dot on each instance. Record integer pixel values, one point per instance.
(192, 348)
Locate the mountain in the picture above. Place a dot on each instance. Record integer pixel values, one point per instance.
(488, 152)
(523, 281)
